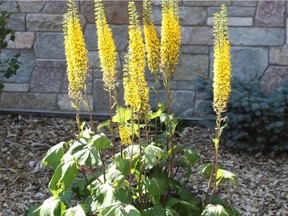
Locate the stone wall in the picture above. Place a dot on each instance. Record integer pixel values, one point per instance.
(258, 34)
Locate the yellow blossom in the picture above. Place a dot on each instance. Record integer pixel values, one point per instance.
(106, 45)
(136, 93)
(125, 134)
(171, 38)
(152, 44)
(222, 64)
(76, 54)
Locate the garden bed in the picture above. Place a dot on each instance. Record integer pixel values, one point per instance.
(263, 178)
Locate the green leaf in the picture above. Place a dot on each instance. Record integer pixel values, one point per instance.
(63, 177)
(163, 117)
(214, 210)
(66, 197)
(122, 115)
(190, 156)
(183, 206)
(100, 142)
(32, 211)
(155, 186)
(54, 155)
(115, 177)
(158, 210)
(122, 164)
(120, 209)
(75, 211)
(88, 156)
(223, 175)
(153, 115)
(104, 124)
(218, 201)
(79, 186)
(50, 206)
(152, 155)
(206, 169)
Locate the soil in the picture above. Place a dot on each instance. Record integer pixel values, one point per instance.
(24, 140)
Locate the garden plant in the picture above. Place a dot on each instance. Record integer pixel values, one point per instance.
(8, 66)
(94, 174)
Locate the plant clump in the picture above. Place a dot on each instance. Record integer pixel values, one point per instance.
(90, 176)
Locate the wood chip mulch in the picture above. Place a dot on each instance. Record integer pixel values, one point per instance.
(24, 140)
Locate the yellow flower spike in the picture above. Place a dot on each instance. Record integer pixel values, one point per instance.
(171, 38)
(222, 64)
(106, 45)
(136, 93)
(152, 43)
(76, 54)
(125, 134)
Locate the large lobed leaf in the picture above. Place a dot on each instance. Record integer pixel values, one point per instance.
(50, 206)
(54, 155)
(214, 210)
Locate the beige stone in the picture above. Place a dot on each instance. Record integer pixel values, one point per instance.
(23, 40)
(279, 55)
(12, 87)
(64, 103)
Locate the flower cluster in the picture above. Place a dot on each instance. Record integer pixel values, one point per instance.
(125, 134)
(106, 45)
(136, 93)
(76, 54)
(152, 43)
(222, 64)
(171, 38)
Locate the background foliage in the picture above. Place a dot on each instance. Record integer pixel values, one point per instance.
(9, 66)
(257, 120)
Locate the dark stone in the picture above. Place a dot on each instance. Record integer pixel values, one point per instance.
(197, 35)
(16, 22)
(192, 66)
(50, 63)
(247, 63)
(49, 45)
(28, 101)
(91, 37)
(274, 77)
(46, 79)
(256, 36)
(27, 58)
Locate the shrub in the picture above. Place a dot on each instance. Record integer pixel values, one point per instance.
(138, 178)
(9, 66)
(257, 120)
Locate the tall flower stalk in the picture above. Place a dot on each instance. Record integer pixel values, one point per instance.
(221, 83)
(170, 42)
(107, 55)
(76, 57)
(169, 52)
(152, 47)
(136, 92)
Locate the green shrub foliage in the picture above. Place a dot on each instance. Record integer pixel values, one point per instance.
(257, 120)
(9, 66)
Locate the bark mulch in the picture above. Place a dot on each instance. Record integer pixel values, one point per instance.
(263, 178)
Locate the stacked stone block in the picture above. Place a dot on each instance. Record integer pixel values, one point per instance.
(258, 34)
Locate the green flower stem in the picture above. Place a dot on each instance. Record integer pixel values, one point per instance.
(111, 125)
(157, 101)
(141, 165)
(78, 121)
(214, 170)
(89, 110)
(131, 158)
